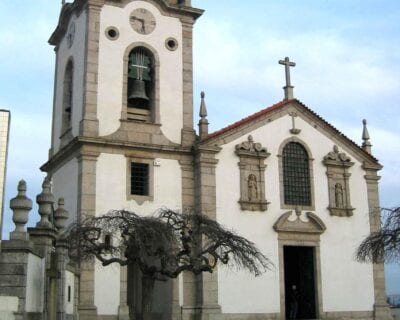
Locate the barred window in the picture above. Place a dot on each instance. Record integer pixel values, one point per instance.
(140, 179)
(296, 175)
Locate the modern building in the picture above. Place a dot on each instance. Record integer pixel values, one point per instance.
(4, 134)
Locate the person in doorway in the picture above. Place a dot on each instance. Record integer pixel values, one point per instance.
(294, 302)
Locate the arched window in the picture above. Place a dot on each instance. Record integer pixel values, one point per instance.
(296, 175)
(67, 97)
(140, 93)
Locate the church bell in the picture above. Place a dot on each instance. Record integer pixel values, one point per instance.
(137, 91)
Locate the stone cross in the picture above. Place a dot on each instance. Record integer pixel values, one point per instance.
(288, 88)
(294, 130)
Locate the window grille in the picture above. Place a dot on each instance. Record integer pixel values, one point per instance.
(140, 179)
(296, 175)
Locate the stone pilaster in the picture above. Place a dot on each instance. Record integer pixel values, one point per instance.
(60, 221)
(188, 134)
(381, 308)
(86, 208)
(206, 298)
(62, 247)
(189, 280)
(123, 309)
(89, 125)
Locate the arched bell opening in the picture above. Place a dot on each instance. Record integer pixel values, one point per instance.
(140, 93)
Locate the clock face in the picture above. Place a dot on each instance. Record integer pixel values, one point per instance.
(142, 21)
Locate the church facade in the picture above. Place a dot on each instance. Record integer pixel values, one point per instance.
(123, 138)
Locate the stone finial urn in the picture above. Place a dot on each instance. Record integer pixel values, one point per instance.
(61, 216)
(20, 205)
(45, 201)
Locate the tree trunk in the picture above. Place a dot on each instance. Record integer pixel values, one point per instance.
(147, 297)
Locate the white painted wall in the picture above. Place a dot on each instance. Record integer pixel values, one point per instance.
(111, 193)
(65, 185)
(107, 288)
(339, 269)
(111, 184)
(8, 305)
(111, 68)
(69, 282)
(77, 52)
(35, 284)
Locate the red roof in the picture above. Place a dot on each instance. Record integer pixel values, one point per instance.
(277, 106)
(248, 119)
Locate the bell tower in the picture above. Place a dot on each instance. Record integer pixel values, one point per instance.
(122, 126)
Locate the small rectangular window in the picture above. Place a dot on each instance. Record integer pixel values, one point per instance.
(140, 179)
(69, 293)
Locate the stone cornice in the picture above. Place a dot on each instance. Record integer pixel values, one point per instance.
(67, 11)
(79, 5)
(86, 145)
(264, 117)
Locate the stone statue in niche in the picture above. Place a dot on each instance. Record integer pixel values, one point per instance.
(338, 166)
(339, 195)
(252, 187)
(252, 170)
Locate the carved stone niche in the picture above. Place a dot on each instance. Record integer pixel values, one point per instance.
(252, 169)
(337, 170)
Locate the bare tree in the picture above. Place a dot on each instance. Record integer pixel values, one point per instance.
(164, 245)
(383, 245)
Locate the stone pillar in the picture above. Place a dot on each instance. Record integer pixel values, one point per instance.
(15, 252)
(188, 134)
(44, 234)
(89, 125)
(206, 297)
(86, 208)
(189, 280)
(43, 237)
(60, 221)
(123, 309)
(381, 308)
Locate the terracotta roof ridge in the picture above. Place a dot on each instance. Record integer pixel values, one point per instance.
(276, 106)
(247, 119)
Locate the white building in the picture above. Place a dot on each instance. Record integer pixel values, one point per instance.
(286, 179)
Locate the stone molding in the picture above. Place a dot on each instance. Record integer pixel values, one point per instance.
(281, 109)
(252, 175)
(155, 97)
(313, 225)
(311, 173)
(140, 199)
(381, 308)
(202, 290)
(78, 6)
(337, 170)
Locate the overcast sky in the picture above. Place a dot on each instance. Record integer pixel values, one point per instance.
(348, 68)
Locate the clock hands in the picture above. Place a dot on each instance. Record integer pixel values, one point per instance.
(141, 21)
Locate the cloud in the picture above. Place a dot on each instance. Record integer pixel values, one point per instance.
(330, 68)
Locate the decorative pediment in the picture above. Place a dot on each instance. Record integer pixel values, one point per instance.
(337, 158)
(251, 148)
(314, 225)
